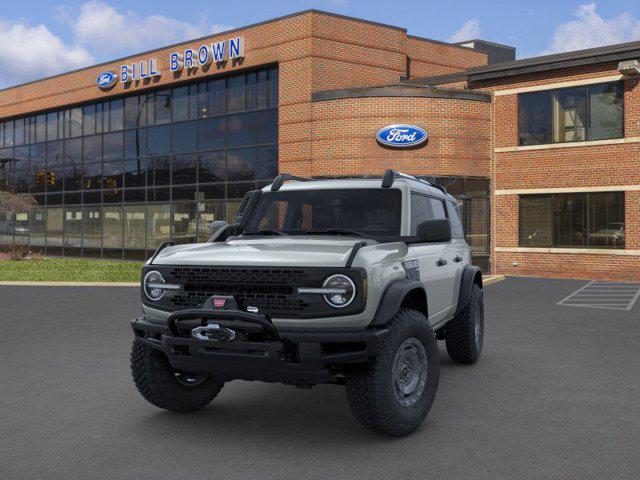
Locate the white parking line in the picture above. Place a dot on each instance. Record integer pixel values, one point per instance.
(612, 296)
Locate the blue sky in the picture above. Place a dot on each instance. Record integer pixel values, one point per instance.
(43, 37)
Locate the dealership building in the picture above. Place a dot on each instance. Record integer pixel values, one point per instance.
(543, 154)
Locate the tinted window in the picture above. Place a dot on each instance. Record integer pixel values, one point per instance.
(374, 212)
(180, 104)
(112, 146)
(215, 97)
(437, 208)
(212, 167)
(241, 129)
(131, 112)
(594, 220)
(534, 118)
(268, 126)
(536, 221)
(570, 119)
(606, 111)
(420, 211)
(115, 115)
(184, 169)
(456, 223)
(184, 137)
(211, 133)
(158, 140)
(591, 112)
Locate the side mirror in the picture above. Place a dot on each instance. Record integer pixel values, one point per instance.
(217, 227)
(436, 230)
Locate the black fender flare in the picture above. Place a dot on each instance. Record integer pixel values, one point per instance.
(470, 276)
(393, 297)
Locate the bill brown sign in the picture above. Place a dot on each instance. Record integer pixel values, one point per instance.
(189, 59)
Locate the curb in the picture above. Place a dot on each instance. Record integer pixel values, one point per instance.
(486, 280)
(489, 279)
(70, 284)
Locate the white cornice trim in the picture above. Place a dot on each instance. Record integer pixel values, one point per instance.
(534, 191)
(570, 251)
(549, 86)
(590, 143)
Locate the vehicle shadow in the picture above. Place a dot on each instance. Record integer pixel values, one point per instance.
(252, 412)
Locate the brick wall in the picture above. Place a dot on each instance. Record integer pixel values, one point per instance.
(314, 51)
(344, 136)
(429, 58)
(564, 167)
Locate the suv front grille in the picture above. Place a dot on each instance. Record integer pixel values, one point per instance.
(272, 291)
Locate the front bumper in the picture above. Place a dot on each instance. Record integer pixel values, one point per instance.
(262, 352)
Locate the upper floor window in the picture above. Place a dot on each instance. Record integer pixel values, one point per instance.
(576, 114)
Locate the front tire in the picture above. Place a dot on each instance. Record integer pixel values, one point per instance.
(166, 388)
(393, 393)
(464, 335)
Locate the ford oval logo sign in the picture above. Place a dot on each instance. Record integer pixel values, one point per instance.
(106, 80)
(401, 136)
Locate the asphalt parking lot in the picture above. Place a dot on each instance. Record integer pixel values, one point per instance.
(556, 394)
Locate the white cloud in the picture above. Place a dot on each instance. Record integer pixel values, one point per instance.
(591, 30)
(469, 31)
(107, 31)
(98, 32)
(29, 52)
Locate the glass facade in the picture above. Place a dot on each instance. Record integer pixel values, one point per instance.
(116, 178)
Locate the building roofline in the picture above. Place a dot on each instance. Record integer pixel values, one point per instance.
(496, 44)
(400, 90)
(226, 32)
(555, 61)
(435, 79)
(440, 42)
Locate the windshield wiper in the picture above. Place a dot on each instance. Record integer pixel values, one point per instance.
(337, 231)
(266, 232)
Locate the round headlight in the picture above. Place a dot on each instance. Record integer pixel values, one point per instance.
(150, 279)
(344, 290)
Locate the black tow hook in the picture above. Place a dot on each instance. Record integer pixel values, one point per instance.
(213, 332)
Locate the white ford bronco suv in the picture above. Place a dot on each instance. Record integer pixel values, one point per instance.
(341, 281)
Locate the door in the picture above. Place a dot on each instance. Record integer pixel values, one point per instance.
(462, 256)
(436, 260)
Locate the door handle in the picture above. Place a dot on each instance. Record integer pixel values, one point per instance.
(441, 262)
(458, 259)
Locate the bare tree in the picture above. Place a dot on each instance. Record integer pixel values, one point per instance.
(16, 202)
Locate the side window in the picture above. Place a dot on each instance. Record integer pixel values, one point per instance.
(456, 224)
(420, 211)
(437, 206)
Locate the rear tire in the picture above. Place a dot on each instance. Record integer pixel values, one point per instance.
(464, 335)
(165, 388)
(394, 391)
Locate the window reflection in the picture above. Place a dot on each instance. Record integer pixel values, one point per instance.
(99, 170)
(158, 225)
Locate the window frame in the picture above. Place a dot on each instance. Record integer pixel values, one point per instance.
(552, 92)
(587, 226)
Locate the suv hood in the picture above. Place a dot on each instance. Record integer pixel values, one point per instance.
(309, 251)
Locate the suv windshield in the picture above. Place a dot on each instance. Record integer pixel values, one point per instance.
(363, 211)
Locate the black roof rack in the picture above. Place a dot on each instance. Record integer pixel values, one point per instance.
(440, 187)
(283, 177)
(390, 175)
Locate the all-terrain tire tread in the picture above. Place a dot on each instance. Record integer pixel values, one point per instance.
(459, 332)
(366, 385)
(154, 380)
